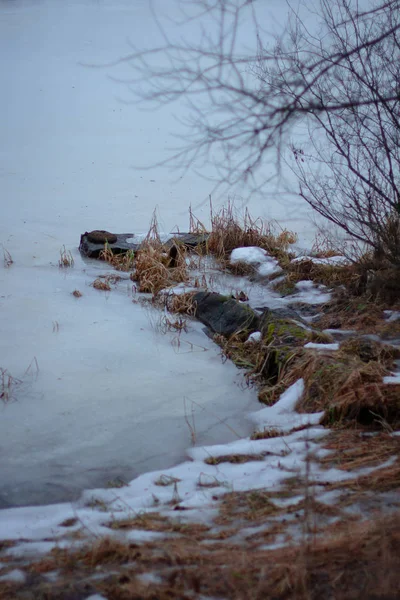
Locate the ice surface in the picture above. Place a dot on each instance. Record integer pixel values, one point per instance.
(110, 397)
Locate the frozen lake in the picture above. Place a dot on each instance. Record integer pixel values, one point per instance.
(111, 397)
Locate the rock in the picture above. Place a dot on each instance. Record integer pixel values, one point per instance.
(224, 315)
(92, 249)
(100, 236)
(92, 243)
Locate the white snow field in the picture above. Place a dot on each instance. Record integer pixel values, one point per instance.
(97, 393)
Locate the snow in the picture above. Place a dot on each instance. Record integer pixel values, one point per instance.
(254, 337)
(281, 415)
(14, 576)
(392, 379)
(392, 315)
(265, 264)
(332, 260)
(309, 293)
(322, 347)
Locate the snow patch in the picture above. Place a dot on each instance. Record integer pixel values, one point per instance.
(15, 576)
(282, 415)
(257, 257)
(332, 260)
(322, 347)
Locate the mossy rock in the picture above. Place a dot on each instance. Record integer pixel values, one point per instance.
(224, 315)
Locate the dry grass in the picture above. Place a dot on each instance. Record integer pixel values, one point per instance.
(350, 450)
(181, 303)
(100, 284)
(356, 560)
(8, 385)
(359, 313)
(7, 258)
(152, 268)
(233, 458)
(122, 262)
(156, 522)
(77, 294)
(329, 275)
(66, 259)
(266, 433)
(347, 384)
(231, 230)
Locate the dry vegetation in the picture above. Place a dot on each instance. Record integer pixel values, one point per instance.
(230, 230)
(122, 262)
(7, 258)
(101, 284)
(357, 560)
(66, 259)
(8, 385)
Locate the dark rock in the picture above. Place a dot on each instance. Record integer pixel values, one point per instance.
(224, 315)
(120, 246)
(100, 236)
(92, 243)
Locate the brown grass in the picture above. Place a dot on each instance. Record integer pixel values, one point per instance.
(329, 275)
(359, 313)
(356, 560)
(351, 450)
(233, 458)
(181, 303)
(66, 259)
(122, 262)
(160, 523)
(266, 433)
(100, 284)
(8, 385)
(231, 230)
(152, 271)
(77, 294)
(7, 258)
(347, 385)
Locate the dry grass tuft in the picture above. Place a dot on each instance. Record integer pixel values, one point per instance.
(66, 259)
(100, 284)
(329, 275)
(122, 262)
(181, 303)
(7, 258)
(8, 385)
(266, 433)
(77, 294)
(153, 272)
(233, 458)
(230, 231)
